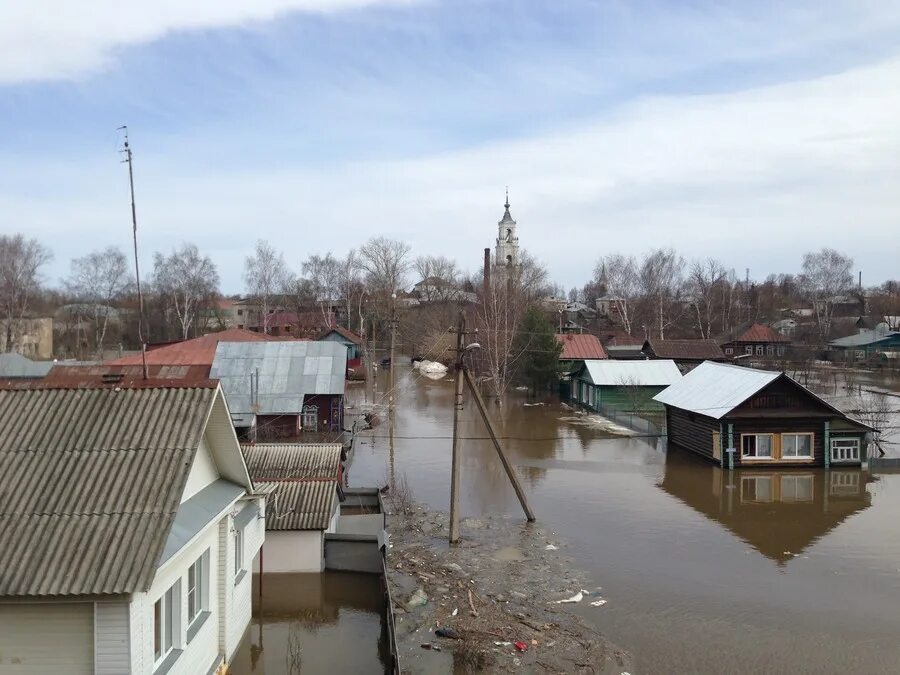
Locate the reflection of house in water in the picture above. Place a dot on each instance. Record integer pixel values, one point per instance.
(777, 512)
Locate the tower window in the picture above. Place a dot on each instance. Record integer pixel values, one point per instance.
(509, 260)
(508, 234)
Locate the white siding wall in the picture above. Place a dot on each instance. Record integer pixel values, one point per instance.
(242, 593)
(46, 638)
(203, 471)
(293, 551)
(111, 636)
(199, 654)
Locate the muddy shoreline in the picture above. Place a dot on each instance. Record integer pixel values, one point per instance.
(497, 593)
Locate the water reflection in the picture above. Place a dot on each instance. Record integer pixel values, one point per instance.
(779, 513)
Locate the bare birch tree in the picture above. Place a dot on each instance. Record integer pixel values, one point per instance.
(441, 276)
(661, 278)
(619, 274)
(324, 274)
(20, 262)
(385, 263)
(265, 274)
(98, 280)
(826, 275)
(704, 279)
(188, 281)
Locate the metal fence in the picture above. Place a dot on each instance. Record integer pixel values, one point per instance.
(638, 421)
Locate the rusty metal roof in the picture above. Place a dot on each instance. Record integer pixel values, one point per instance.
(93, 375)
(197, 352)
(90, 481)
(293, 461)
(577, 346)
(759, 333)
(299, 505)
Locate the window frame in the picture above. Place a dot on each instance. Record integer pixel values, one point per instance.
(238, 552)
(167, 623)
(313, 412)
(795, 434)
(843, 439)
(756, 481)
(748, 350)
(200, 570)
(757, 457)
(796, 480)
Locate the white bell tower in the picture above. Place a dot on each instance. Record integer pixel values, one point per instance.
(507, 252)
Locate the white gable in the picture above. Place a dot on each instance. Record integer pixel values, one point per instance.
(203, 471)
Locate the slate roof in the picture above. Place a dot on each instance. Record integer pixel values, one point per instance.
(90, 481)
(288, 371)
(93, 375)
(299, 505)
(640, 373)
(197, 352)
(13, 365)
(293, 461)
(684, 350)
(580, 346)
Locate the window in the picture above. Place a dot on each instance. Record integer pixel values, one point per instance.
(238, 551)
(770, 350)
(748, 350)
(796, 488)
(240, 312)
(781, 351)
(166, 629)
(756, 489)
(756, 446)
(198, 587)
(310, 419)
(844, 483)
(759, 350)
(844, 449)
(796, 446)
(729, 350)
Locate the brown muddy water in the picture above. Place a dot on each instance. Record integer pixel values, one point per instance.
(314, 623)
(705, 572)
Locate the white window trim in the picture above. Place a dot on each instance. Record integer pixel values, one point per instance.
(170, 609)
(238, 552)
(812, 442)
(839, 439)
(201, 590)
(796, 479)
(757, 458)
(756, 481)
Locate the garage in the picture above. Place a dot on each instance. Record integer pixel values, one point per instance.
(46, 638)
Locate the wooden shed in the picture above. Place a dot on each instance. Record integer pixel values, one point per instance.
(622, 385)
(741, 417)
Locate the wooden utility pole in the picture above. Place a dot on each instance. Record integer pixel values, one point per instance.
(464, 376)
(457, 408)
(393, 338)
(126, 150)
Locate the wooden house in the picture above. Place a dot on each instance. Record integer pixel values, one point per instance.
(741, 417)
(866, 343)
(686, 353)
(577, 348)
(621, 385)
(346, 337)
(757, 341)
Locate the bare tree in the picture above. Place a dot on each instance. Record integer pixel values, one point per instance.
(20, 262)
(385, 263)
(265, 274)
(98, 280)
(704, 279)
(826, 275)
(351, 286)
(324, 274)
(619, 275)
(661, 279)
(187, 280)
(441, 277)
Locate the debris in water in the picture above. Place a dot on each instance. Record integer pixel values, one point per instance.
(455, 611)
(578, 597)
(417, 599)
(520, 646)
(598, 603)
(531, 405)
(551, 547)
(503, 644)
(447, 632)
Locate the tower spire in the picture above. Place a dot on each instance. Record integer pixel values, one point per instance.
(507, 198)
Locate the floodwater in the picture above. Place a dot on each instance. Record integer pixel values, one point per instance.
(705, 572)
(314, 623)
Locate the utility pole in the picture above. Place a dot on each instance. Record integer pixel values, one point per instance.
(457, 408)
(393, 338)
(126, 150)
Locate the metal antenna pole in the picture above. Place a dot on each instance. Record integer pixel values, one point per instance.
(457, 408)
(126, 149)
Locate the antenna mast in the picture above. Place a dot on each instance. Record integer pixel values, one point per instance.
(126, 150)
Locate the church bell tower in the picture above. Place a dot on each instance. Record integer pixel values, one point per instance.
(507, 251)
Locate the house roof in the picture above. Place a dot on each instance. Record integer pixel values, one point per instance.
(15, 365)
(577, 346)
(94, 374)
(303, 320)
(345, 333)
(299, 505)
(715, 389)
(90, 481)
(640, 373)
(288, 371)
(197, 352)
(865, 337)
(692, 350)
(760, 333)
(268, 462)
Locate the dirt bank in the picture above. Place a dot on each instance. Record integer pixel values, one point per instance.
(497, 590)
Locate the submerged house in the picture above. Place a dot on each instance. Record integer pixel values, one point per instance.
(128, 530)
(741, 417)
(303, 484)
(578, 348)
(686, 353)
(623, 385)
(757, 340)
(866, 343)
(346, 337)
(283, 388)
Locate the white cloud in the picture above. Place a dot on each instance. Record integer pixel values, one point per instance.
(48, 39)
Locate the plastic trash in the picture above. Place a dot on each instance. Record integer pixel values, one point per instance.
(503, 644)
(455, 611)
(578, 597)
(417, 599)
(447, 632)
(598, 603)
(520, 646)
(551, 547)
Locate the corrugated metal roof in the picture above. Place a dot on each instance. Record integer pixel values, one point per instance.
(197, 352)
(288, 371)
(299, 505)
(15, 365)
(715, 389)
(863, 338)
(92, 375)
(90, 481)
(641, 373)
(580, 346)
(293, 461)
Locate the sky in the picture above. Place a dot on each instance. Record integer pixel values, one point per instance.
(747, 131)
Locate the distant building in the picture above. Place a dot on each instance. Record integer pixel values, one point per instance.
(756, 340)
(128, 531)
(346, 337)
(32, 338)
(14, 366)
(622, 385)
(434, 289)
(506, 252)
(686, 353)
(866, 343)
(741, 417)
(577, 348)
(298, 325)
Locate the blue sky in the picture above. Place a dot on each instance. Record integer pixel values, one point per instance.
(751, 132)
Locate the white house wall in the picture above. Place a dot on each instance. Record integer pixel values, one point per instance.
(203, 471)
(293, 551)
(40, 638)
(241, 594)
(111, 638)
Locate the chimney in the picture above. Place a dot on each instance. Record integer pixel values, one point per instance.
(487, 271)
